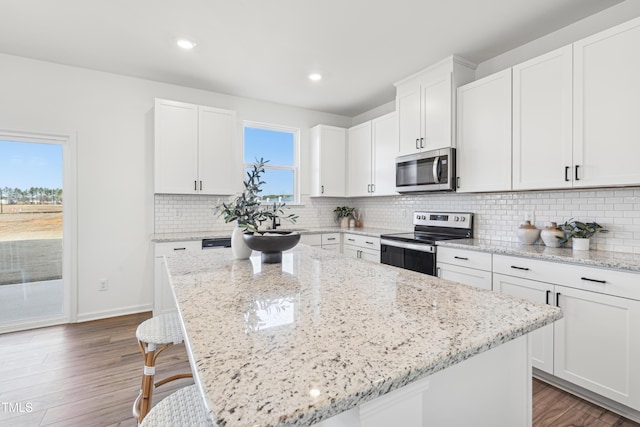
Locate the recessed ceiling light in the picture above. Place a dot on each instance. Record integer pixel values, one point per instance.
(315, 76)
(186, 44)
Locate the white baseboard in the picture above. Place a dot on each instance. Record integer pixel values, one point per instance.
(97, 315)
(33, 324)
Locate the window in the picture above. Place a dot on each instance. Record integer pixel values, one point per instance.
(279, 145)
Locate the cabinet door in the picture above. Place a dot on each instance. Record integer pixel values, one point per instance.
(409, 121)
(351, 251)
(464, 275)
(384, 131)
(217, 172)
(542, 108)
(484, 134)
(607, 107)
(541, 339)
(359, 160)
(597, 345)
(328, 171)
(176, 147)
(436, 114)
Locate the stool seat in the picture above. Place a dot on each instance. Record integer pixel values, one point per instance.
(154, 336)
(161, 329)
(181, 408)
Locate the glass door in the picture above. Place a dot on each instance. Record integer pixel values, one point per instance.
(32, 198)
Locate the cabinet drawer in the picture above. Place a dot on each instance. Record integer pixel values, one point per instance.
(167, 248)
(330, 239)
(468, 276)
(362, 241)
(469, 259)
(311, 239)
(611, 282)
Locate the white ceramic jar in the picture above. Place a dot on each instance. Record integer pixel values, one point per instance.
(527, 233)
(551, 235)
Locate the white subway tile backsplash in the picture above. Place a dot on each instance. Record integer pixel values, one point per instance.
(497, 215)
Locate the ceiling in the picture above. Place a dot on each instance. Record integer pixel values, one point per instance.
(265, 49)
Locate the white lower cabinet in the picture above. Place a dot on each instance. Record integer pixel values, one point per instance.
(163, 300)
(329, 241)
(468, 267)
(359, 246)
(595, 345)
(541, 339)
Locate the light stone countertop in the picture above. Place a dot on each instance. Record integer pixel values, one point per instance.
(592, 258)
(199, 235)
(298, 342)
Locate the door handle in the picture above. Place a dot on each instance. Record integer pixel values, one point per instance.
(558, 299)
(421, 142)
(322, 189)
(566, 173)
(593, 280)
(548, 294)
(462, 258)
(520, 268)
(577, 179)
(200, 185)
(417, 143)
(373, 188)
(457, 182)
(195, 185)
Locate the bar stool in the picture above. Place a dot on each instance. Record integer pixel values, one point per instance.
(181, 408)
(154, 336)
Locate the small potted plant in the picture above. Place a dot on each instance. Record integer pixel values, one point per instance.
(342, 215)
(249, 212)
(580, 233)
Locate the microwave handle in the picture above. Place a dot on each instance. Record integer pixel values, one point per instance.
(436, 170)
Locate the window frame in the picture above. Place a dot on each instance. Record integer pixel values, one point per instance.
(296, 155)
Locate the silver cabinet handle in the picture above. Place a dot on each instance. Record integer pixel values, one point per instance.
(373, 188)
(369, 243)
(417, 143)
(368, 188)
(331, 238)
(322, 189)
(351, 240)
(200, 185)
(421, 142)
(437, 271)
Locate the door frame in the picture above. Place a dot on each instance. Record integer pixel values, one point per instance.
(69, 224)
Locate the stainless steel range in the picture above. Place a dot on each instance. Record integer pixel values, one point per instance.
(417, 251)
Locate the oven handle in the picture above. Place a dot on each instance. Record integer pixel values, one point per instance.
(413, 246)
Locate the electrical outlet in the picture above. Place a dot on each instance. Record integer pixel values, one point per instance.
(103, 285)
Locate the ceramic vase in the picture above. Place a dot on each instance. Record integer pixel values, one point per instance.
(579, 244)
(239, 248)
(344, 222)
(527, 233)
(551, 235)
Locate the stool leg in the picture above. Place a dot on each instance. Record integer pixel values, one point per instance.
(146, 389)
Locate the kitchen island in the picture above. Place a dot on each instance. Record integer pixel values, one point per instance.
(334, 341)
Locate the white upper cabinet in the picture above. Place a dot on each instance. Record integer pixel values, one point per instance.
(425, 103)
(607, 107)
(359, 155)
(384, 131)
(328, 161)
(194, 149)
(484, 134)
(371, 154)
(542, 130)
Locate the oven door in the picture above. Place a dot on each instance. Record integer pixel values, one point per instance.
(411, 256)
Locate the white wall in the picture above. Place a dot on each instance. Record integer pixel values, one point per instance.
(112, 117)
(593, 24)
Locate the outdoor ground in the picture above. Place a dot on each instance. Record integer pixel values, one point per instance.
(28, 222)
(30, 243)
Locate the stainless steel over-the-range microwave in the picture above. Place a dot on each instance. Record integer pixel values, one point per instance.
(426, 171)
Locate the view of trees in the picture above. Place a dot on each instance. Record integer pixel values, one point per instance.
(33, 195)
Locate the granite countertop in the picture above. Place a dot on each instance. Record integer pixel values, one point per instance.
(298, 342)
(199, 235)
(593, 258)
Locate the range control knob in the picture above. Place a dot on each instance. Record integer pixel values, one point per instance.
(456, 218)
(463, 219)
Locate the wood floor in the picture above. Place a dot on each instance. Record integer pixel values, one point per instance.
(88, 375)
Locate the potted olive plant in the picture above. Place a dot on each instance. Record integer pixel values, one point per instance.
(342, 215)
(580, 233)
(248, 211)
